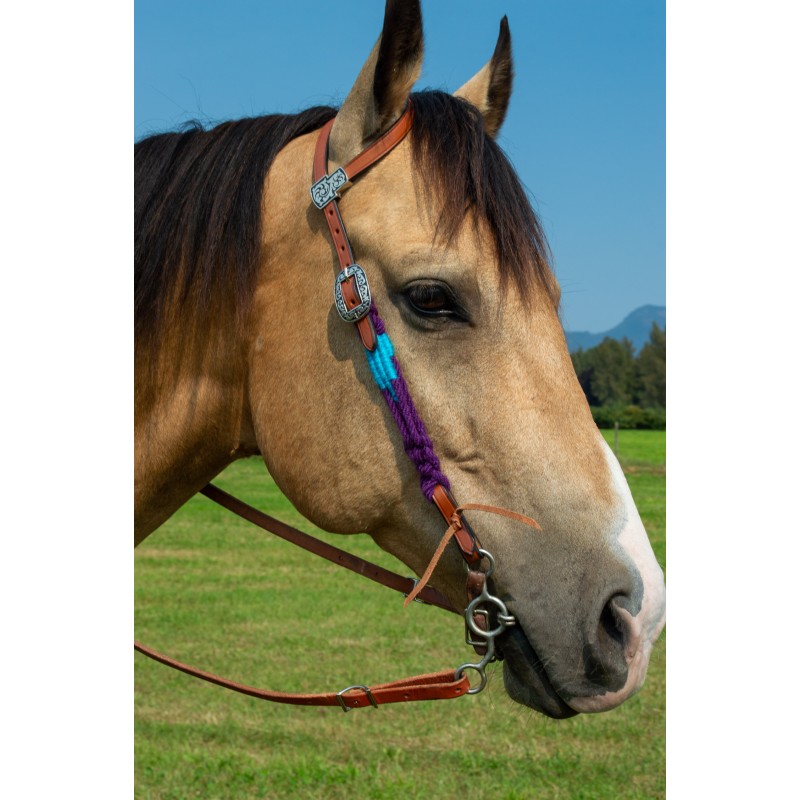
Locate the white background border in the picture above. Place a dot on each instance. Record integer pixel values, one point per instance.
(66, 327)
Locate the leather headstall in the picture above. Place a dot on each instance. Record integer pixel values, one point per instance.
(325, 194)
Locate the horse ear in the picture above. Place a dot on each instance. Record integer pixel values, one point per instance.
(381, 90)
(490, 89)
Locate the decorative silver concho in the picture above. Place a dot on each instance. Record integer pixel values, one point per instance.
(325, 189)
(362, 288)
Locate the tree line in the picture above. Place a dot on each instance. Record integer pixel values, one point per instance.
(623, 387)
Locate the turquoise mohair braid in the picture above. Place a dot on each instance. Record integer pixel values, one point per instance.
(380, 363)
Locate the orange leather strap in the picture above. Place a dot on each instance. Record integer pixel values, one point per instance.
(380, 147)
(432, 686)
(367, 157)
(464, 536)
(344, 253)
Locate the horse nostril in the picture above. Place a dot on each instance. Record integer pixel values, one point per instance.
(605, 654)
(610, 624)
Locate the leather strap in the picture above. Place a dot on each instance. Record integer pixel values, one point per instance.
(476, 580)
(474, 585)
(432, 686)
(333, 554)
(380, 147)
(465, 537)
(367, 157)
(344, 253)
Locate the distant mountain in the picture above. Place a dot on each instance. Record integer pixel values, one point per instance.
(636, 327)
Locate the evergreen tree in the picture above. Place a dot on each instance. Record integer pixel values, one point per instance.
(582, 361)
(651, 369)
(607, 372)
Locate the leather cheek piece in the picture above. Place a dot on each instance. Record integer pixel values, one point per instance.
(364, 326)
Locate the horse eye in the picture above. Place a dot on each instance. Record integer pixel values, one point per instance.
(432, 300)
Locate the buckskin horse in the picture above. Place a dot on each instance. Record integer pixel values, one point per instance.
(436, 368)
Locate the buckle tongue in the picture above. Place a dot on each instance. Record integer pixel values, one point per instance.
(362, 290)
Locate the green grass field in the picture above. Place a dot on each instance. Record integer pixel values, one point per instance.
(226, 597)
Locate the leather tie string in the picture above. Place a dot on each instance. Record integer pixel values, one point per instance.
(456, 524)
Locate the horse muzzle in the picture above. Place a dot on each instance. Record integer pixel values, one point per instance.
(608, 664)
(526, 680)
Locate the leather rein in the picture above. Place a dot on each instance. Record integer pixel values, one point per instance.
(354, 304)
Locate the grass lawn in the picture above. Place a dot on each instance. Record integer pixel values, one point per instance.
(218, 593)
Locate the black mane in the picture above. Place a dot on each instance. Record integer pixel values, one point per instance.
(198, 198)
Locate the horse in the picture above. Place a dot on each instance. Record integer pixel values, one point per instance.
(240, 351)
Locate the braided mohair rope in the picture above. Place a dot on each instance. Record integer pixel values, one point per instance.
(416, 442)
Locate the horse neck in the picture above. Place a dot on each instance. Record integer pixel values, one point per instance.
(191, 418)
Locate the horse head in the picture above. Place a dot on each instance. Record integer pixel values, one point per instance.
(458, 268)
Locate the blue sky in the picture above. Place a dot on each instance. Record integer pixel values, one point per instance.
(585, 129)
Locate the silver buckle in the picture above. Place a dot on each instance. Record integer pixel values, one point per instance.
(362, 289)
(325, 189)
(366, 689)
